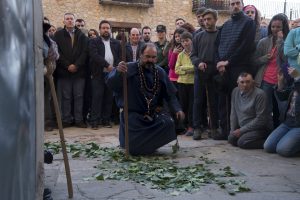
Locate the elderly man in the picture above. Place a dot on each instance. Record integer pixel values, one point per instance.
(251, 123)
(133, 46)
(235, 45)
(148, 85)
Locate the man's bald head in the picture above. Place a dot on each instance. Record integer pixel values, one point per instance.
(134, 36)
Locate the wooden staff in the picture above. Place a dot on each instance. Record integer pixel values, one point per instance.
(61, 134)
(125, 96)
(208, 108)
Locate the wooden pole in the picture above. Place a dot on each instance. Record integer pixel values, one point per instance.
(125, 97)
(208, 109)
(61, 134)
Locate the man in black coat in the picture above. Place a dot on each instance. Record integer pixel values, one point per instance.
(70, 70)
(235, 44)
(105, 53)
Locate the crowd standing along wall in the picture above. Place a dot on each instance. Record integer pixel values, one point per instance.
(163, 12)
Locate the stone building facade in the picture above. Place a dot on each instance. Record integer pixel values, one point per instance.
(130, 15)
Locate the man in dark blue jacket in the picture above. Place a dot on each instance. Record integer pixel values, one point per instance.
(234, 47)
(70, 70)
(105, 53)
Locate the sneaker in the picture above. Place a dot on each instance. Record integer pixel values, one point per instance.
(106, 124)
(189, 133)
(81, 125)
(197, 134)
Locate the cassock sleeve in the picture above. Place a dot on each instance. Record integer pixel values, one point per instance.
(115, 81)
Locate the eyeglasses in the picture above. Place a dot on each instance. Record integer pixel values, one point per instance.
(250, 11)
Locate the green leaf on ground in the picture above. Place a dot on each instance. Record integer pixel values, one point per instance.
(159, 172)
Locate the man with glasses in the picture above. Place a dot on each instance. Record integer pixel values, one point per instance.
(250, 121)
(234, 49)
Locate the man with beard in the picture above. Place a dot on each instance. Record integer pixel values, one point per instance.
(150, 127)
(203, 58)
(235, 45)
(146, 34)
(105, 53)
(199, 15)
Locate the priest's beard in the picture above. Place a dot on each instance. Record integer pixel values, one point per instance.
(148, 65)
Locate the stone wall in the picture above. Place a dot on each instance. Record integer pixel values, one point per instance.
(163, 12)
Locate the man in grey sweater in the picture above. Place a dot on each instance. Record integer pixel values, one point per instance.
(250, 120)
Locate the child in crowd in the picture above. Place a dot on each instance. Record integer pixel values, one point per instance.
(185, 71)
(174, 51)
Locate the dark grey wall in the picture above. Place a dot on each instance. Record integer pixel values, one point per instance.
(20, 136)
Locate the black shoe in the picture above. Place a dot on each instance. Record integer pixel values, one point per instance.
(47, 194)
(218, 136)
(81, 125)
(107, 124)
(66, 125)
(197, 134)
(48, 157)
(94, 126)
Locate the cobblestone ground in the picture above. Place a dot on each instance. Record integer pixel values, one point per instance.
(269, 176)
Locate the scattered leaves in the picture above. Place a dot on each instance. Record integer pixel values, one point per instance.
(159, 172)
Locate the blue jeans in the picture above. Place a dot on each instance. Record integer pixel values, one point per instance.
(272, 101)
(283, 140)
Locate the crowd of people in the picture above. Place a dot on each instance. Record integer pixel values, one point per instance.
(239, 82)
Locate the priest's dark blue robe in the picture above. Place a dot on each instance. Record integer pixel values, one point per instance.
(145, 136)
